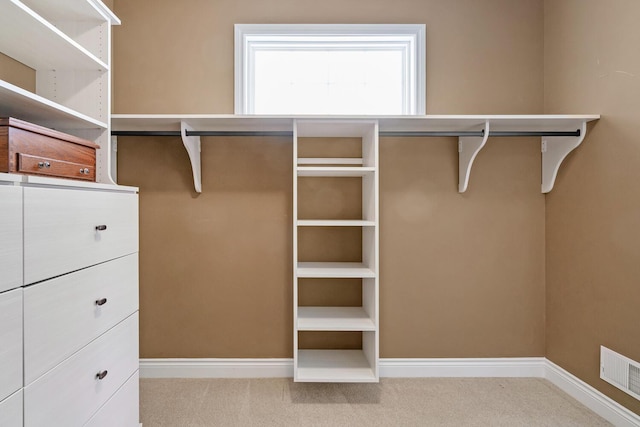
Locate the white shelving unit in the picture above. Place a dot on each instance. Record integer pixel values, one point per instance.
(554, 148)
(339, 365)
(68, 44)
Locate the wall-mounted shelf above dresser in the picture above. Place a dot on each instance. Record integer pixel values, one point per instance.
(560, 134)
(68, 45)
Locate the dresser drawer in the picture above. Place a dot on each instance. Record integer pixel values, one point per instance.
(122, 409)
(11, 410)
(66, 230)
(62, 315)
(72, 392)
(11, 237)
(10, 342)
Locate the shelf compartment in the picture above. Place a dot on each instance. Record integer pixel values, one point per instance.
(334, 319)
(334, 366)
(25, 105)
(330, 161)
(335, 223)
(334, 270)
(66, 10)
(340, 171)
(28, 38)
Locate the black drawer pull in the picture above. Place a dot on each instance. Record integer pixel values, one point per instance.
(101, 375)
(101, 227)
(101, 301)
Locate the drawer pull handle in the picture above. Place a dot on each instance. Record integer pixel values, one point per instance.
(101, 301)
(101, 227)
(44, 165)
(84, 171)
(101, 375)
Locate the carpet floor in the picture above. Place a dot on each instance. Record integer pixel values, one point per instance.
(392, 402)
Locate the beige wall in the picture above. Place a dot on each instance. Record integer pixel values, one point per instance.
(177, 56)
(461, 275)
(593, 215)
(17, 73)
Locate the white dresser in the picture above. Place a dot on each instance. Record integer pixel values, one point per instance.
(68, 303)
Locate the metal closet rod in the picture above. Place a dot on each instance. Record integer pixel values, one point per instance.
(479, 133)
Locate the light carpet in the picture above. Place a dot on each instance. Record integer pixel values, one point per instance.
(392, 402)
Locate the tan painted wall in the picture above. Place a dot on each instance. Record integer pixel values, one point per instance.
(593, 215)
(461, 275)
(17, 73)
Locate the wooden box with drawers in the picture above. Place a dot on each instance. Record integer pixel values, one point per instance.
(31, 149)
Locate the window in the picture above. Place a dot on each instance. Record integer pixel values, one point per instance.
(330, 69)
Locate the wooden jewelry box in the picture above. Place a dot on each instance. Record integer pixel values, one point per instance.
(31, 149)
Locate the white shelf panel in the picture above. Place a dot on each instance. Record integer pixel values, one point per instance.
(334, 319)
(24, 105)
(326, 171)
(66, 10)
(329, 161)
(335, 223)
(516, 122)
(212, 122)
(230, 122)
(334, 270)
(335, 127)
(28, 38)
(334, 366)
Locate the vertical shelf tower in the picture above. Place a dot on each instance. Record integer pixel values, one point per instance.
(339, 364)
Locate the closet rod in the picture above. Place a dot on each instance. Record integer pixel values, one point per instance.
(479, 133)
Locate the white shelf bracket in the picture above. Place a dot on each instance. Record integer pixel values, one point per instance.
(192, 144)
(554, 151)
(468, 149)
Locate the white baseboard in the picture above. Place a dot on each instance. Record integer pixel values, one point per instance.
(478, 368)
(593, 399)
(536, 367)
(389, 368)
(216, 368)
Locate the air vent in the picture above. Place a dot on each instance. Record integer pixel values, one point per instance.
(620, 371)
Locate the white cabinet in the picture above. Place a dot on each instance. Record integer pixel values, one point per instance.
(10, 343)
(11, 410)
(121, 409)
(74, 390)
(10, 236)
(65, 230)
(68, 44)
(69, 332)
(339, 364)
(61, 315)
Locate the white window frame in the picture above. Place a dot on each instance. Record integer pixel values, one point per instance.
(410, 38)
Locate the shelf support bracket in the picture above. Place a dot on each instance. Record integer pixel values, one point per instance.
(192, 145)
(554, 151)
(468, 149)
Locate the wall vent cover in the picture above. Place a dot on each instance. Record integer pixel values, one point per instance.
(620, 371)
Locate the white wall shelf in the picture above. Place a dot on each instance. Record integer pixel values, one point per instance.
(334, 319)
(17, 102)
(329, 161)
(344, 171)
(334, 366)
(73, 10)
(335, 223)
(68, 45)
(334, 270)
(29, 38)
(554, 148)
